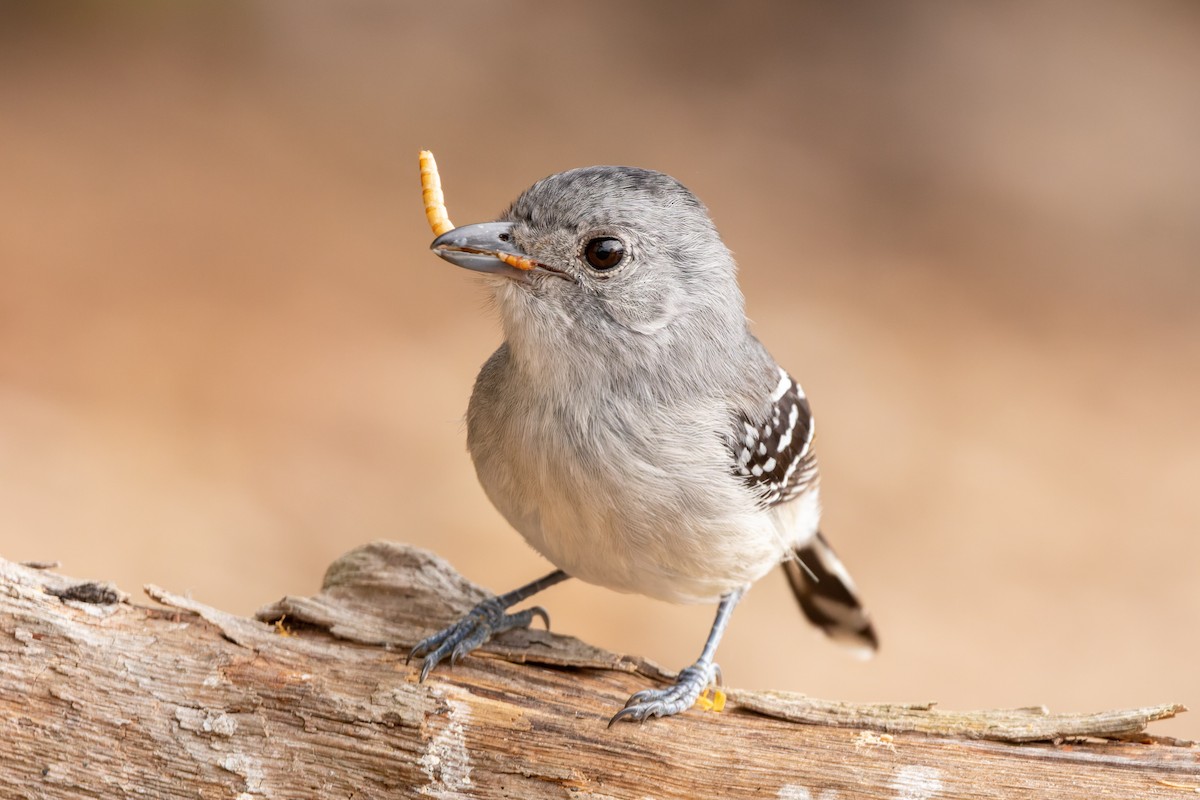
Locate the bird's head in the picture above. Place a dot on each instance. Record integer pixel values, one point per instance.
(618, 254)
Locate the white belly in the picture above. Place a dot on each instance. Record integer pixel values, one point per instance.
(650, 515)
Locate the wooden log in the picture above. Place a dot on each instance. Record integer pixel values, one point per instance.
(103, 697)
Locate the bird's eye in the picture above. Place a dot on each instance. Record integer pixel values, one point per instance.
(604, 253)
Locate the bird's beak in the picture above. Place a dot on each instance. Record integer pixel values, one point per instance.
(486, 247)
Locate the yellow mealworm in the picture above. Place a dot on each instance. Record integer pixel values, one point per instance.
(431, 193)
(520, 262)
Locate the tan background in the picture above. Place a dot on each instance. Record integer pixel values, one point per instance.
(972, 230)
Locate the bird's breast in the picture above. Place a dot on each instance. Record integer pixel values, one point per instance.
(636, 497)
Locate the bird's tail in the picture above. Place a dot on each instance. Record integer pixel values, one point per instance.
(828, 597)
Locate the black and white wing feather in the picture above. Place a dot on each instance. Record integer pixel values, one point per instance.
(774, 456)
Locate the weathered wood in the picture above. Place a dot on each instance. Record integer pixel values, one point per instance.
(102, 697)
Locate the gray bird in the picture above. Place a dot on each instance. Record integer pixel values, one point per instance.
(630, 426)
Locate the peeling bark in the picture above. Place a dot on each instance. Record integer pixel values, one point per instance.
(103, 697)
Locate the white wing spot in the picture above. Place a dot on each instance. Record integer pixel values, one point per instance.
(791, 468)
(751, 435)
(786, 439)
(770, 465)
(785, 381)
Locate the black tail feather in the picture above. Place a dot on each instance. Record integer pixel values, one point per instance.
(827, 596)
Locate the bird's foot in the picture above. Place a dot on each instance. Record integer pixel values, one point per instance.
(680, 696)
(480, 624)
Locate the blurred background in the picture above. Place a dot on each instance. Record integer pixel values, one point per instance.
(972, 230)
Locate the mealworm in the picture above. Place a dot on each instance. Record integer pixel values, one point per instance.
(431, 193)
(435, 209)
(520, 262)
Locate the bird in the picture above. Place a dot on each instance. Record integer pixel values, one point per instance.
(631, 427)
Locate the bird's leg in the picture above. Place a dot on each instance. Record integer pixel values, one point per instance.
(481, 622)
(692, 680)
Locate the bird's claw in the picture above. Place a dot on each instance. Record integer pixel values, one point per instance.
(480, 624)
(677, 697)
